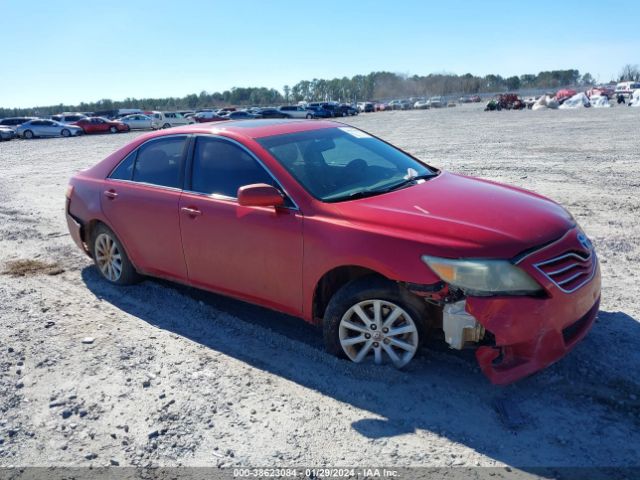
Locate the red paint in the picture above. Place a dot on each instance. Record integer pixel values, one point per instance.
(275, 256)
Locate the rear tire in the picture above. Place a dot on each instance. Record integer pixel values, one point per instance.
(166, 125)
(28, 134)
(111, 259)
(309, 117)
(380, 342)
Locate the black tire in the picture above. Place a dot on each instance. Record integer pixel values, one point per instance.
(166, 125)
(113, 129)
(128, 274)
(366, 288)
(65, 132)
(309, 117)
(28, 134)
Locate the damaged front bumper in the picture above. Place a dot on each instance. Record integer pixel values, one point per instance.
(532, 333)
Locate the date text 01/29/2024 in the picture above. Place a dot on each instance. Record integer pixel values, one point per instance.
(314, 473)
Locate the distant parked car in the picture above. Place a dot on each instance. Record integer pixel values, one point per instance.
(348, 110)
(318, 112)
(437, 102)
(469, 99)
(169, 119)
(47, 128)
(272, 113)
(421, 104)
(14, 122)
(366, 107)
(138, 122)
(68, 118)
(101, 125)
(6, 133)
(293, 111)
(241, 115)
(209, 116)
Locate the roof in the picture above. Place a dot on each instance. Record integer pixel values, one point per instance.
(257, 128)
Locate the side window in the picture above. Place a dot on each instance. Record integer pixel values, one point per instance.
(124, 171)
(220, 167)
(160, 162)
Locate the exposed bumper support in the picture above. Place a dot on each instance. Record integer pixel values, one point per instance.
(459, 326)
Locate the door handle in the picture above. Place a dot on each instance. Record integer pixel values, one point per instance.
(111, 194)
(191, 211)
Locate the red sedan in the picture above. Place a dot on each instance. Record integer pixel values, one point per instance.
(101, 125)
(328, 223)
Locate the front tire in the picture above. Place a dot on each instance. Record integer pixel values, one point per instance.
(374, 319)
(166, 125)
(28, 134)
(111, 259)
(309, 117)
(65, 132)
(113, 130)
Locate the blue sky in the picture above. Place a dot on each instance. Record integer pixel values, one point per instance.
(66, 52)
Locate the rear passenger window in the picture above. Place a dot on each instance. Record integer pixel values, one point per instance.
(220, 167)
(124, 171)
(159, 162)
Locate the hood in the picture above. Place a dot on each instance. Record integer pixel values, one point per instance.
(462, 217)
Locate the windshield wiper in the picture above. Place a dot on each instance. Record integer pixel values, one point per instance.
(407, 181)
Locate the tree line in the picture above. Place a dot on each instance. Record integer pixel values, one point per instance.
(374, 86)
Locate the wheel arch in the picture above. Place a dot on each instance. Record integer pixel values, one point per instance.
(331, 282)
(89, 227)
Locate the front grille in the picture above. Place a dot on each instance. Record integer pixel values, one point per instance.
(569, 271)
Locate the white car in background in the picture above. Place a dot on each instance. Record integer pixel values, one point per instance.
(293, 111)
(68, 118)
(137, 121)
(169, 119)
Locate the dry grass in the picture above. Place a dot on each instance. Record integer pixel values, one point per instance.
(24, 268)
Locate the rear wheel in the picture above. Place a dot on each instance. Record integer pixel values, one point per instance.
(28, 134)
(309, 116)
(166, 125)
(111, 259)
(372, 319)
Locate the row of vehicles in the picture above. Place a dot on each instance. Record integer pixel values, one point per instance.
(70, 124)
(417, 103)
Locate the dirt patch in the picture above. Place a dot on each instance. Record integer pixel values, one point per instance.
(24, 268)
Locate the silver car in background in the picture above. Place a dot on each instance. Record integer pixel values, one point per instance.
(138, 121)
(6, 133)
(47, 128)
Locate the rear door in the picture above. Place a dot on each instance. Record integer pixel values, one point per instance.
(141, 202)
(254, 253)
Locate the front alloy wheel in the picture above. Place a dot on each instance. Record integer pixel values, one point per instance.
(379, 329)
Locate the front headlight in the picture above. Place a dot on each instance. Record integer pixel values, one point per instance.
(483, 277)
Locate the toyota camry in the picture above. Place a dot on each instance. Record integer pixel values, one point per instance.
(324, 221)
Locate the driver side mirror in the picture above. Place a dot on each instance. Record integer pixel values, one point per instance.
(260, 195)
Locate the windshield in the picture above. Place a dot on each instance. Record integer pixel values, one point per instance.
(343, 163)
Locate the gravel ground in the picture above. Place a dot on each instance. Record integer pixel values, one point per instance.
(158, 374)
